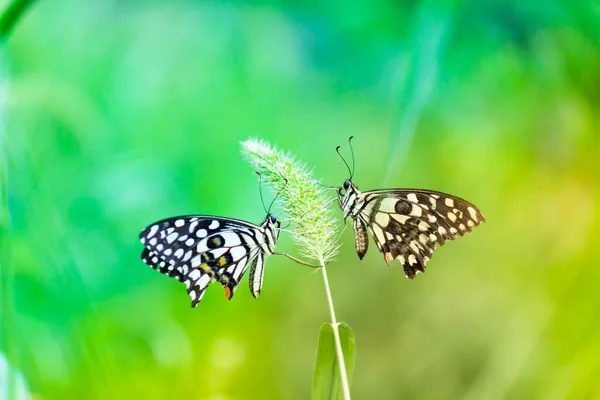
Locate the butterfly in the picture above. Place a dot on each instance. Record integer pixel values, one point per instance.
(406, 224)
(200, 249)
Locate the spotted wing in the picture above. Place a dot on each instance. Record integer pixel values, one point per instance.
(198, 250)
(408, 224)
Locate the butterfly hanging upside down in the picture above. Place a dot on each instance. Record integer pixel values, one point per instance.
(199, 250)
(406, 224)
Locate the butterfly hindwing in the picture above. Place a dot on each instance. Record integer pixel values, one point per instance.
(199, 250)
(257, 270)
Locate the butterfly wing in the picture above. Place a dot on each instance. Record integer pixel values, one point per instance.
(408, 224)
(199, 250)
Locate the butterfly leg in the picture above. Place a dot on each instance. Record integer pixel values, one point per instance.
(296, 260)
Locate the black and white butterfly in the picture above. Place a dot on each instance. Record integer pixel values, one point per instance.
(200, 249)
(406, 224)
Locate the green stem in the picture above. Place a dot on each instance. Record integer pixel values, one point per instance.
(336, 335)
(11, 15)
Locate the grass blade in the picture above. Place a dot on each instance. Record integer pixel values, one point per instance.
(326, 380)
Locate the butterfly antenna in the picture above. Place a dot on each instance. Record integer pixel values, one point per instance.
(337, 149)
(352, 152)
(276, 196)
(262, 200)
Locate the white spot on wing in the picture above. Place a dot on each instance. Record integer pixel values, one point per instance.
(433, 202)
(231, 239)
(412, 197)
(179, 253)
(400, 218)
(416, 211)
(219, 252)
(152, 241)
(201, 233)
(171, 238)
(449, 202)
(153, 231)
(382, 219)
(388, 204)
(451, 216)
(239, 269)
(214, 224)
(414, 246)
(204, 281)
(190, 242)
(473, 213)
(196, 261)
(195, 274)
(412, 259)
(378, 234)
(179, 223)
(238, 253)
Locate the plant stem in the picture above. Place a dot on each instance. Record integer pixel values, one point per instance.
(336, 335)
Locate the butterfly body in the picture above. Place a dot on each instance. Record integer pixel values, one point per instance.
(406, 224)
(199, 250)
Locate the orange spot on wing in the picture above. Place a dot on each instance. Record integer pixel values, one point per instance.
(222, 261)
(388, 258)
(228, 292)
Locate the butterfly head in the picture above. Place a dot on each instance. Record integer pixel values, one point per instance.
(272, 225)
(348, 194)
(343, 190)
(273, 220)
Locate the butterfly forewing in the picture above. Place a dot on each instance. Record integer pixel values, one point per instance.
(199, 250)
(407, 224)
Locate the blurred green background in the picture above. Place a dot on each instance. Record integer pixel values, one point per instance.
(115, 114)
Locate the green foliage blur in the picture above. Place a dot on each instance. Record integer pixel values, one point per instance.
(117, 113)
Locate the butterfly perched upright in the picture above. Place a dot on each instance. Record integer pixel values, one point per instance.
(406, 224)
(200, 249)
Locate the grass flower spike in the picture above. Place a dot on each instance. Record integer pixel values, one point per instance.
(314, 230)
(302, 198)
